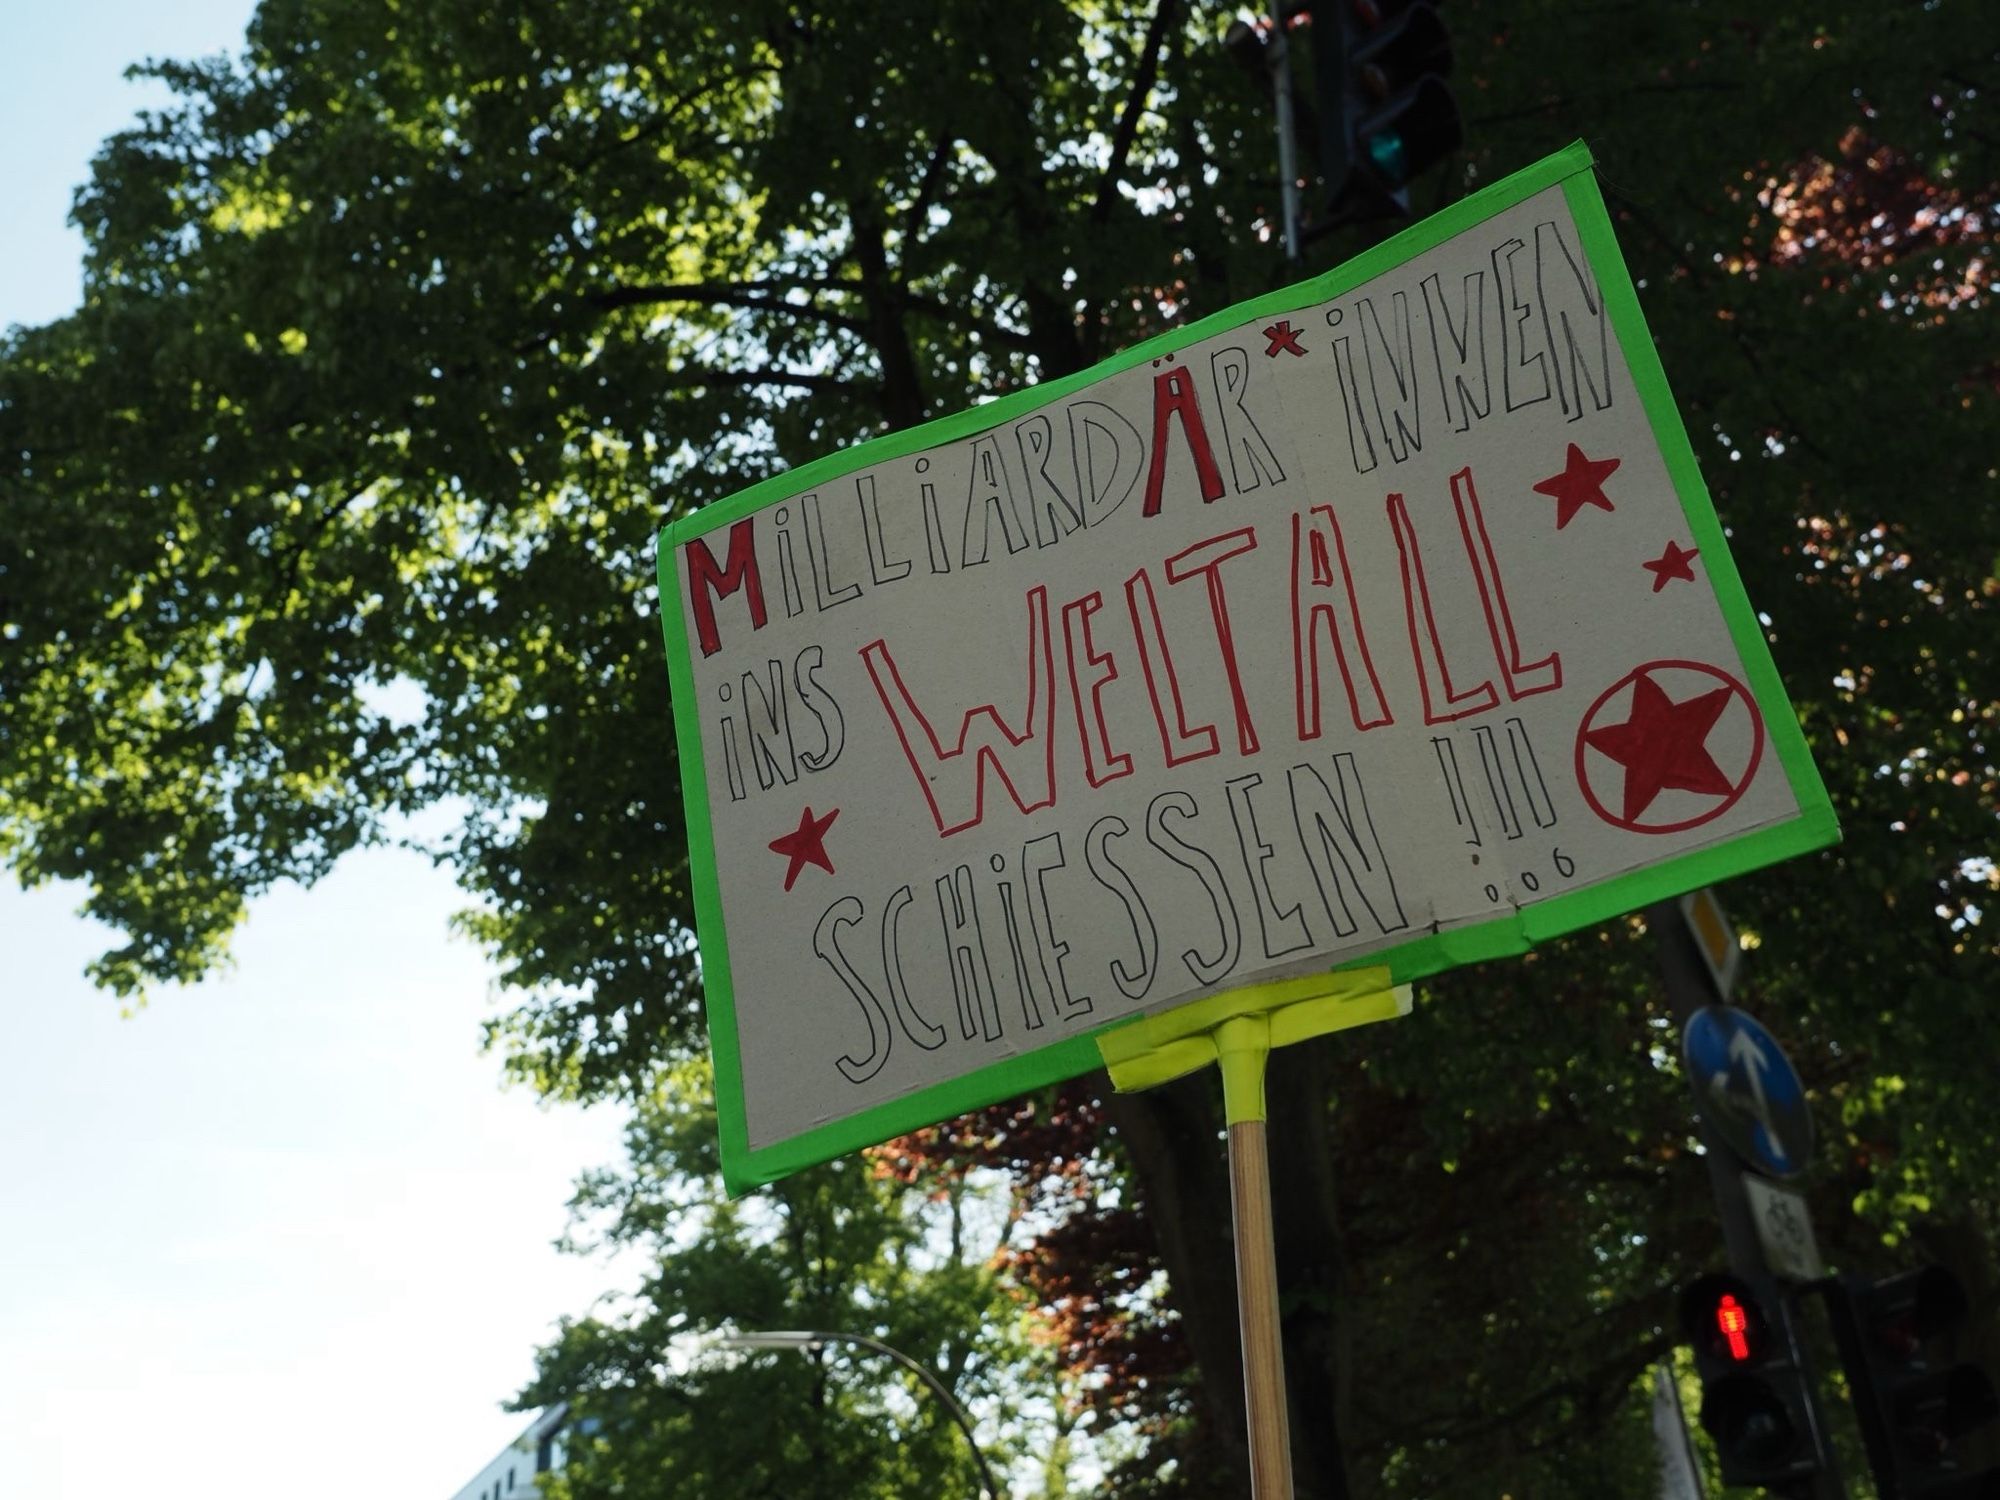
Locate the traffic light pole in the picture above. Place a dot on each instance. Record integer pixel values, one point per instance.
(1278, 58)
(1689, 988)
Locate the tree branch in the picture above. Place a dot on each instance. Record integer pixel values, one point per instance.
(1585, 103)
(1134, 106)
(953, 314)
(697, 377)
(760, 296)
(886, 297)
(927, 189)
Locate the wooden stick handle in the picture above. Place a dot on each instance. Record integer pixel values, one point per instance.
(1257, 1310)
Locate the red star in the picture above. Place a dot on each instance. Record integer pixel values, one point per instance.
(1283, 336)
(1662, 745)
(1672, 564)
(805, 845)
(1581, 483)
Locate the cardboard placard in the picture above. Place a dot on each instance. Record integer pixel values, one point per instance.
(1384, 617)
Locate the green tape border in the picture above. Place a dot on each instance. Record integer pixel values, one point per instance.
(1815, 827)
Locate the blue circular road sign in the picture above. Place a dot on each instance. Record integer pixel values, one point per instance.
(1748, 1090)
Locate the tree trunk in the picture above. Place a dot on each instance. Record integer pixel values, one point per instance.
(1173, 1137)
(883, 294)
(1311, 1281)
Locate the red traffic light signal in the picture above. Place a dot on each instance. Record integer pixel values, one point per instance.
(1724, 1321)
(1755, 1401)
(1732, 1321)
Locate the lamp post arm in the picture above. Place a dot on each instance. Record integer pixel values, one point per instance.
(938, 1389)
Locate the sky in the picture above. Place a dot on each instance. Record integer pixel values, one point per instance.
(284, 1230)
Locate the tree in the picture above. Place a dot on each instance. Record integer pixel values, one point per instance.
(404, 332)
(659, 1407)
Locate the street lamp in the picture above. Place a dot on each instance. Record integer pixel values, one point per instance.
(806, 1341)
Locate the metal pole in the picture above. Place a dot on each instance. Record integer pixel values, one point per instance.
(1278, 57)
(805, 1339)
(1689, 988)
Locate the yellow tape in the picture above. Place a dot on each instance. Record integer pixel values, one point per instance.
(1239, 1027)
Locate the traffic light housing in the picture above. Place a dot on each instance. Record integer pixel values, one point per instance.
(1386, 115)
(1756, 1403)
(1915, 1404)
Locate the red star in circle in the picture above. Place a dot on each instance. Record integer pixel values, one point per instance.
(1581, 483)
(805, 845)
(1283, 337)
(1672, 564)
(1663, 745)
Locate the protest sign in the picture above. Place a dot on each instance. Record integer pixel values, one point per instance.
(1383, 617)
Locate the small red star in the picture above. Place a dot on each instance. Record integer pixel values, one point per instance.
(1662, 746)
(1672, 564)
(1581, 483)
(805, 845)
(1283, 337)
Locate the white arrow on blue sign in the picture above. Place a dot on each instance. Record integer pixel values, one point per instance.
(1749, 1090)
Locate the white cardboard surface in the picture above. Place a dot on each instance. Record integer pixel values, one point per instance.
(1352, 678)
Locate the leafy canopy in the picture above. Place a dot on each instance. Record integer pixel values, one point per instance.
(329, 514)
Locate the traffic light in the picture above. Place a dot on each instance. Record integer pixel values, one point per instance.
(1755, 1401)
(1385, 113)
(1914, 1403)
